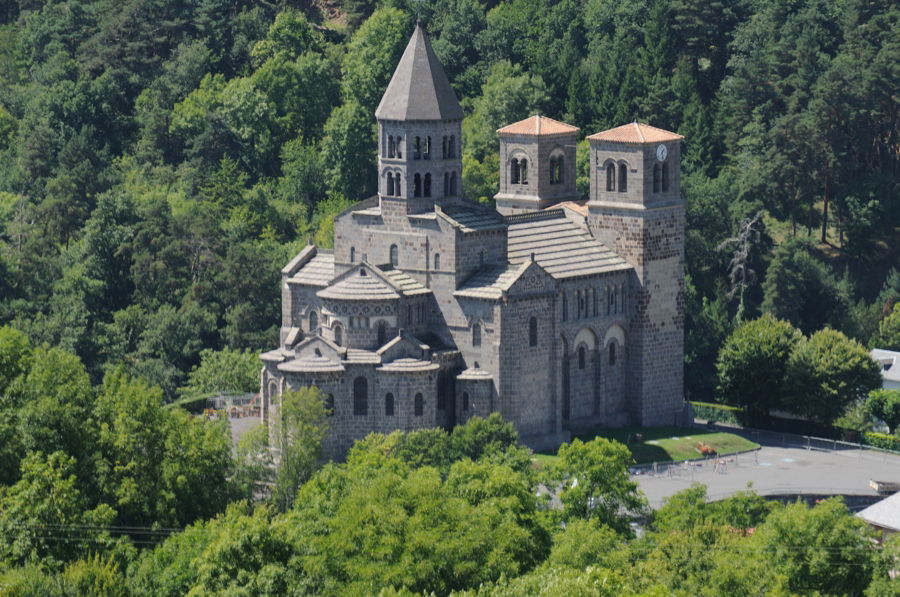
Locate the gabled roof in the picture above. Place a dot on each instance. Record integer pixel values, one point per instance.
(491, 283)
(636, 132)
(885, 514)
(471, 217)
(560, 246)
(419, 89)
(361, 283)
(537, 125)
(317, 271)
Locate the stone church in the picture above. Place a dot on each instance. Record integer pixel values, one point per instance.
(556, 312)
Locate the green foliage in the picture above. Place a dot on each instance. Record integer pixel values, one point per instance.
(15, 356)
(885, 404)
(157, 466)
(753, 365)
(348, 151)
(596, 485)
(297, 437)
(223, 371)
(827, 373)
(372, 56)
(817, 549)
(45, 516)
(799, 289)
(888, 335)
(717, 412)
(882, 440)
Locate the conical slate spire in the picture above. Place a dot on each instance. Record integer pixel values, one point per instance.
(419, 89)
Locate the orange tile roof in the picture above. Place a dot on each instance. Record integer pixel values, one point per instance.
(538, 125)
(577, 207)
(636, 132)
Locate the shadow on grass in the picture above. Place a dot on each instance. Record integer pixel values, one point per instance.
(644, 451)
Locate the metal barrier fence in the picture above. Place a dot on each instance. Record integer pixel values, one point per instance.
(721, 464)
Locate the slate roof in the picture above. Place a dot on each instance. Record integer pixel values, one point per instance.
(890, 363)
(359, 285)
(561, 247)
(537, 125)
(408, 285)
(472, 374)
(362, 357)
(419, 89)
(407, 365)
(311, 364)
(472, 217)
(885, 514)
(318, 271)
(636, 132)
(491, 283)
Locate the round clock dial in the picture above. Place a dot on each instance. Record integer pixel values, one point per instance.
(661, 153)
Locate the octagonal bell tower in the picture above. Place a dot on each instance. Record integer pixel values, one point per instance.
(419, 134)
(636, 209)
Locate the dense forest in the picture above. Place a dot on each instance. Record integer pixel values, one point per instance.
(160, 161)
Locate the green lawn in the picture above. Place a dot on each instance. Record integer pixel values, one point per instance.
(662, 444)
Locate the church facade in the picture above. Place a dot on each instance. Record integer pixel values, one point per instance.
(556, 312)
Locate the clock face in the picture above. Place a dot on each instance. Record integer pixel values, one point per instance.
(661, 153)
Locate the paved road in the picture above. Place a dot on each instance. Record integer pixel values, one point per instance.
(778, 470)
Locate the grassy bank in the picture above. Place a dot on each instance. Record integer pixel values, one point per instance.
(661, 444)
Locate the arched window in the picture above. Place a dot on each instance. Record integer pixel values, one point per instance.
(665, 177)
(390, 185)
(382, 333)
(338, 334)
(397, 185)
(559, 168)
(476, 334)
(437, 261)
(453, 183)
(595, 301)
(427, 185)
(481, 258)
(417, 149)
(360, 396)
(352, 254)
(514, 171)
(399, 147)
(451, 148)
(611, 177)
(532, 331)
(523, 171)
(418, 405)
(417, 185)
(394, 255)
(426, 153)
(444, 146)
(391, 149)
(612, 354)
(446, 184)
(552, 170)
(389, 404)
(565, 307)
(623, 178)
(329, 405)
(581, 356)
(465, 404)
(655, 178)
(313, 322)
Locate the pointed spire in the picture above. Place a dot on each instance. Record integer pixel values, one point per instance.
(419, 89)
